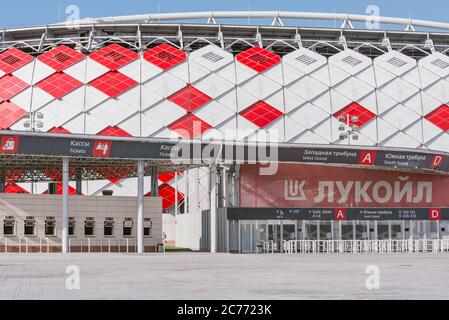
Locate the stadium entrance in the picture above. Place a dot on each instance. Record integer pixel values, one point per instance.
(273, 236)
(326, 206)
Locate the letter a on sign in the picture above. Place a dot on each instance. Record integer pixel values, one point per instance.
(435, 214)
(340, 214)
(367, 158)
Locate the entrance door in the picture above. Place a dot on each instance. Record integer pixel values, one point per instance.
(311, 230)
(274, 234)
(246, 235)
(326, 230)
(347, 230)
(383, 230)
(288, 230)
(396, 230)
(361, 230)
(433, 229)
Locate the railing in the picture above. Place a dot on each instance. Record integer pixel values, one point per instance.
(85, 245)
(366, 246)
(90, 245)
(268, 246)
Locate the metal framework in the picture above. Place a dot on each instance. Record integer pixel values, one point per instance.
(277, 17)
(142, 32)
(38, 168)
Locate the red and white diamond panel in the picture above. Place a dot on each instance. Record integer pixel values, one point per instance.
(307, 97)
(114, 56)
(434, 70)
(113, 83)
(165, 91)
(261, 114)
(258, 59)
(10, 114)
(59, 130)
(61, 58)
(165, 56)
(59, 84)
(13, 59)
(10, 86)
(260, 98)
(190, 126)
(440, 117)
(190, 98)
(354, 110)
(113, 132)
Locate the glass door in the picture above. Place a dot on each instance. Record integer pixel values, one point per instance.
(396, 230)
(288, 230)
(347, 230)
(311, 230)
(326, 230)
(274, 234)
(361, 230)
(383, 230)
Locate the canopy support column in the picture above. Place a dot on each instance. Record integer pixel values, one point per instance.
(79, 183)
(65, 205)
(140, 206)
(2, 184)
(213, 207)
(154, 182)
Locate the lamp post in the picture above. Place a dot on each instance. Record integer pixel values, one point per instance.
(34, 121)
(348, 128)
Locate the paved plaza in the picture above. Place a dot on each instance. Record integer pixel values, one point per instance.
(196, 276)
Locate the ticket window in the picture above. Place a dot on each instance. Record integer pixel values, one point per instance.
(9, 227)
(109, 227)
(89, 227)
(128, 225)
(72, 224)
(50, 227)
(147, 226)
(30, 227)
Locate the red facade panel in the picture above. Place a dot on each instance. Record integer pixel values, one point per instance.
(334, 187)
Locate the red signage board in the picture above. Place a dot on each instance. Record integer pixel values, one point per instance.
(9, 144)
(102, 149)
(300, 185)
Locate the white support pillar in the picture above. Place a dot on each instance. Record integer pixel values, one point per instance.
(213, 208)
(154, 182)
(65, 205)
(340, 230)
(140, 204)
(176, 209)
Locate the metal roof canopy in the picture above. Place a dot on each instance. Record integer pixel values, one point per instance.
(140, 32)
(38, 156)
(276, 16)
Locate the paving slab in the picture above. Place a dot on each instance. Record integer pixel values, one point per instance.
(200, 276)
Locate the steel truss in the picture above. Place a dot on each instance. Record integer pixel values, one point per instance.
(35, 168)
(235, 39)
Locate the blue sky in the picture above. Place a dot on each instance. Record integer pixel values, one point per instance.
(32, 12)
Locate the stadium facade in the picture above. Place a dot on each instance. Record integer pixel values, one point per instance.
(368, 109)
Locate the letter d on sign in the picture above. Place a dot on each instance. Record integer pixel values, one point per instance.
(435, 214)
(437, 161)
